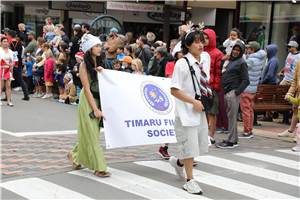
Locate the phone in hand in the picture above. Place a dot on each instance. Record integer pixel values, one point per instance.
(92, 115)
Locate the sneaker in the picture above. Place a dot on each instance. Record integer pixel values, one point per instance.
(17, 89)
(246, 135)
(26, 98)
(61, 101)
(39, 95)
(74, 104)
(265, 119)
(195, 163)
(286, 133)
(179, 170)
(296, 148)
(218, 130)
(212, 140)
(226, 145)
(10, 104)
(51, 94)
(35, 95)
(297, 125)
(46, 96)
(295, 139)
(1, 103)
(163, 152)
(192, 187)
(224, 130)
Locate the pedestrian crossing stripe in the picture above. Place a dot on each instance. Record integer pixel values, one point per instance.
(36, 188)
(271, 159)
(249, 169)
(224, 183)
(138, 185)
(288, 151)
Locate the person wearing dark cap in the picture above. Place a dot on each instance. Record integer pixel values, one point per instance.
(32, 44)
(111, 47)
(5, 31)
(64, 37)
(255, 64)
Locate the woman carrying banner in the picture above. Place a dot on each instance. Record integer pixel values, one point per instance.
(190, 122)
(87, 151)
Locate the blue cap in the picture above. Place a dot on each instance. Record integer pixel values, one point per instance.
(114, 30)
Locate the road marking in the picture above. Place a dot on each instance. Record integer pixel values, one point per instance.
(23, 134)
(248, 169)
(231, 185)
(289, 151)
(137, 185)
(35, 188)
(271, 159)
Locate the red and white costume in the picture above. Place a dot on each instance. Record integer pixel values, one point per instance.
(7, 58)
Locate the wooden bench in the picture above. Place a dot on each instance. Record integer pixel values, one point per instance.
(271, 98)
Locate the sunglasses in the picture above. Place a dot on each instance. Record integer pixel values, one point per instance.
(152, 49)
(289, 47)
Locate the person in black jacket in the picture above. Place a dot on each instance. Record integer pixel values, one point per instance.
(153, 63)
(16, 47)
(145, 54)
(76, 77)
(234, 81)
(163, 57)
(74, 45)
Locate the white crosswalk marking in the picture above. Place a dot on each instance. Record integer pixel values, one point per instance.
(138, 185)
(248, 169)
(231, 185)
(35, 188)
(271, 159)
(289, 151)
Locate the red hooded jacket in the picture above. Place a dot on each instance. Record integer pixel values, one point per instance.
(215, 59)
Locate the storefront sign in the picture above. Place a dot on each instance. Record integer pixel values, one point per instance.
(41, 11)
(95, 14)
(134, 7)
(77, 6)
(139, 111)
(175, 15)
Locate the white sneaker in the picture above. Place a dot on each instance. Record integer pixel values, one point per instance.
(10, 104)
(46, 96)
(39, 95)
(297, 125)
(296, 148)
(1, 103)
(192, 187)
(17, 89)
(51, 94)
(61, 101)
(286, 133)
(179, 170)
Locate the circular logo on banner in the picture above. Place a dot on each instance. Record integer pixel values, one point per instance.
(155, 98)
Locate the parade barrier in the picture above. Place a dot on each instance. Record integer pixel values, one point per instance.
(139, 110)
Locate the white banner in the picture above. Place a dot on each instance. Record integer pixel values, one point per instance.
(139, 109)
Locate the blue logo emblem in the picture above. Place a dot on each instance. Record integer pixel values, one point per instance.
(78, 5)
(155, 98)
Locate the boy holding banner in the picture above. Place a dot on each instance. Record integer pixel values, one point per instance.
(190, 122)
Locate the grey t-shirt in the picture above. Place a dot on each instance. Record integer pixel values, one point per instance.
(290, 65)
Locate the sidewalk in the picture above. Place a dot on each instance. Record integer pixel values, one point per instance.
(47, 154)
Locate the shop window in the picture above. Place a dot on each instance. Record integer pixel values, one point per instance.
(255, 21)
(37, 22)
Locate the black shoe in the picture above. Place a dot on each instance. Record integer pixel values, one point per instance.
(56, 97)
(4, 99)
(26, 98)
(163, 152)
(265, 119)
(256, 124)
(275, 115)
(67, 101)
(226, 145)
(284, 122)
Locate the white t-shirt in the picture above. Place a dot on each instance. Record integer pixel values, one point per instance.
(290, 65)
(182, 80)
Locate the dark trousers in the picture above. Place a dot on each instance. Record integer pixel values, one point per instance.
(30, 84)
(18, 78)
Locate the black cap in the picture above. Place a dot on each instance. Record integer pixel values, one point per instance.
(5, 30)
(63, 29)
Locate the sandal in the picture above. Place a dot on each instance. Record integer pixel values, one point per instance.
(102, 174)
(69, 155)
